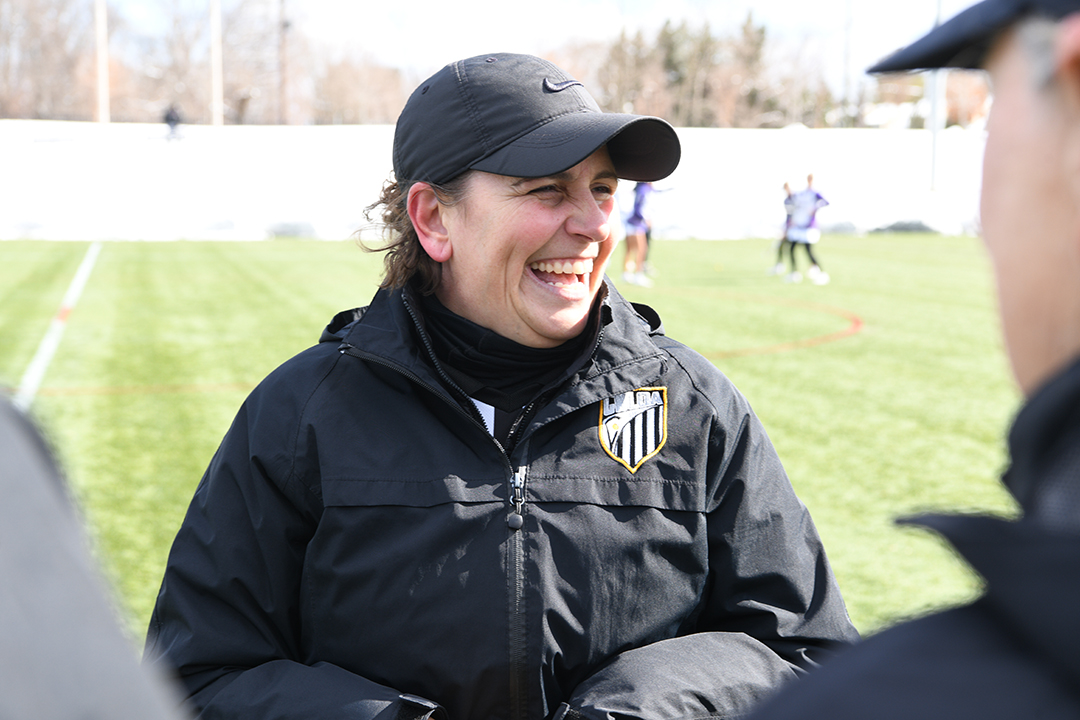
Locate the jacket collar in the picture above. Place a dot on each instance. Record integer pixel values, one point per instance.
(1027, 564)
(1043, 445)
(390, 330)
(1030, 587)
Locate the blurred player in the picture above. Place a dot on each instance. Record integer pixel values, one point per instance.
(783, 241)
(637, 237)
(803, 231)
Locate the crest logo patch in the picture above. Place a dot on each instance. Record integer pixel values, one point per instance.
(633, 426)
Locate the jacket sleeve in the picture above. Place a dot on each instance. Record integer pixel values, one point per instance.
(227, 617)
(772, 608)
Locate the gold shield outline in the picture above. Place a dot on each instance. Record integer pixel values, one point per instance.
(663, 430)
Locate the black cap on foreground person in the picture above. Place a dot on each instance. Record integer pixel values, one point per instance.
(1011, 653)
(964, 40)
(62, 655)
(521, 116)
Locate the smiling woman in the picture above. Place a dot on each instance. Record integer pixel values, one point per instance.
(498, 491)
(508, 252)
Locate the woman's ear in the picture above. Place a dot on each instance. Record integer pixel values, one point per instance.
(1067, 81)
(426, 214)
(1067, 42)
(1067, 59)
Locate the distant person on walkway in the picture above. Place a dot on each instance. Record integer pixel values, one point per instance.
(1013, 652)
(638, 229)
(802, 231)
(172, 119)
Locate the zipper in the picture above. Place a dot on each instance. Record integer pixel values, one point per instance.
(515, 547)
(475, 414)
(516, 519)
(525, 416)
(518, 629)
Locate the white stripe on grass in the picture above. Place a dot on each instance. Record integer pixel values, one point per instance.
(35, 371)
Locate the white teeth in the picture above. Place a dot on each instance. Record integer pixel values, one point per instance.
(576, 267)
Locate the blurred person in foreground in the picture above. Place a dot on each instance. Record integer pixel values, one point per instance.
(498, 492)
(62, 654)
(1012, 653)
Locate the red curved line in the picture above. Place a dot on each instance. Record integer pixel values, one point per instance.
(855, 326)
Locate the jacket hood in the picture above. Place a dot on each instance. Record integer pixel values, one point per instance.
(1031, 588)
(340, 324)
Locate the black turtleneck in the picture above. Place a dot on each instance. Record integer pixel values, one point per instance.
(496, 370)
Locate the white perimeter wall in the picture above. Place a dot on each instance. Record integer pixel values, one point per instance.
(83, 181)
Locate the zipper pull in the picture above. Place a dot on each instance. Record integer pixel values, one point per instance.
(516, 520)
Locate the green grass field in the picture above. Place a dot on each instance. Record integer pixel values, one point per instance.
(886, 392)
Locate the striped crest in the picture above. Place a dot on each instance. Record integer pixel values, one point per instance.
(633, 426)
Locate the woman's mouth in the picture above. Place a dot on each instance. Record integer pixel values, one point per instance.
(562, 273)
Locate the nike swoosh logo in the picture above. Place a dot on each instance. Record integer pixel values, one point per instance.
(559, 87)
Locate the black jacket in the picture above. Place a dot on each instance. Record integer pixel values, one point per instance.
(1012, 653)
(353, 550)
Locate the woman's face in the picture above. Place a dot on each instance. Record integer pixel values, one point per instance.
(1029, 213)
(527, 255)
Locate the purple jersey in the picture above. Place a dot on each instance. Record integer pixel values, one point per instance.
(804, 206)
(802, 210)
(636, 224)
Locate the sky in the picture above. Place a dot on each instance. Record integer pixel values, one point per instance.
(420, 36)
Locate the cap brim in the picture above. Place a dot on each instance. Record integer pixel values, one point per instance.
(962, 42)
(642, 148)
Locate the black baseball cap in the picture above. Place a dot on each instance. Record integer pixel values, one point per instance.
(964, 40)
(521, 116)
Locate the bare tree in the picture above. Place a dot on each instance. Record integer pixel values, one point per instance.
(631, 78)
(149, 72)
(684, 73)
(350, 91)
(689, 57)
(251, 38)
(745, 98)
(46, 62)
(794, 90)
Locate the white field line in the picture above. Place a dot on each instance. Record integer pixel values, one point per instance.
(35, 371)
